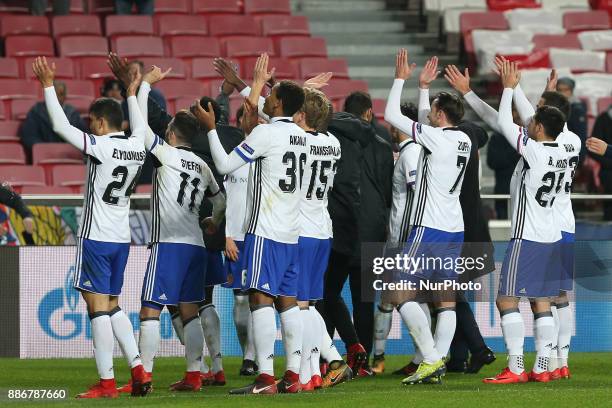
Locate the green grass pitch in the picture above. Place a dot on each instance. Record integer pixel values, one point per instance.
(590, 386)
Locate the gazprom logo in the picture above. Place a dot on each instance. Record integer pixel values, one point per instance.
(57, 314)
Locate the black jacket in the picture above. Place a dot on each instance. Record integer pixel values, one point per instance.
(602, 129)
(577, 123)
(37, 127)
(502, 159)
(13, 200)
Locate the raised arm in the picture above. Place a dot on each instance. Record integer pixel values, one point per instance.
(393, 113)
(61, 125)
(523, 106)
(428, 75)
(511, 131)
(153, 76)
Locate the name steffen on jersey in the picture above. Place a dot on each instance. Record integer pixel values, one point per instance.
(189, 165)
(129, 155)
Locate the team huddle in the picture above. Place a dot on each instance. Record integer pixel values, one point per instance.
(279, 231)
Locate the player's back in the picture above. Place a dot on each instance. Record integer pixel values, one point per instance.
(317, 179)
(536, 185)
(564, 213)
(274, 180)
(179, 184)
(114, 164)
(404, 177)
(440, 176)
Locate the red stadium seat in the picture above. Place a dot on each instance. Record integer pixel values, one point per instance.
(341, 88)
(310, 67)
(76, 25)
(77, 7)
(19, 176)
(138, 46)
(303, 47)
(248, 47)
(45, 190)
(29, 45)
(9, 68)
(285, 68)
(609, 62)
(188, 47)
(183, 103)
(12, 153)
(535, 59)
(172, 7)
(94, 68)
(101, 6)
(20, 108)
(179, 68)
(11, 89)
(82, 105)
(284, 25)
(64, 68)
(378, 107)
(484, 20)
(49, 155)
(503, 5)
(267, 7)
(144, 189)
(603, 104)
(69, 175)
(128, 25)
(586, 20)
(24, 25)
(83, 46)
(82, 89)
(171, 25)
(9, 130)
(202, 68)
(233, 25)
(556, 40)
(178, 88)
(216, 7)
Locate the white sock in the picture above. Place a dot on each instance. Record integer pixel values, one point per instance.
(566, 324)
(242, 315)
(194, 344)
(124, 333)
(249, 352)
(383, 316)
(316, 338)
(418, 357)
(292, 330)
(553, 360)
(103, 342)
(264, 336)
(514, 337)
(416, 321)
(148, 342)
(328, 349)
(177, 323)
(204, 368)
(212, 333)
(305, 370)
(446, 322)
(544, 329)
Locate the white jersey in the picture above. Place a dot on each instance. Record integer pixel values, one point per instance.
(279, 152)
(536, 185)
(564, 214)
(404, 179)
(180, 182)
(114, 162)
(317, 180)
(446, 152)
(236, 184)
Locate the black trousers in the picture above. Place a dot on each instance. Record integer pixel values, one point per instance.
(334, 310)
(467, 335)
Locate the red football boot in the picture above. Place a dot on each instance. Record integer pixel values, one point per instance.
(219, 378)
(356, 356)
(308, 387)
(263, 384)
(289, 384)
(127, 388)
(555, 374)
(141, 381)
(565, 372)
(544, 376)
(208, 378)
(507, 377)
(317, 381)
(102, 389)
(191, 382)
(323, 367)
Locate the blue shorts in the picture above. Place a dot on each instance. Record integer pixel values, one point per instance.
(313, 257)
(215, 272)
(175, 274)
(529, 270)
(566, 258)
(99, 266)
(235, 268)
(271, 266)
(438, 250)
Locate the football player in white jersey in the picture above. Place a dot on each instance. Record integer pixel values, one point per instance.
(176, 270)
(404, 180)
(278, 152)
(436, 217)
(562, 209)
(114, 163)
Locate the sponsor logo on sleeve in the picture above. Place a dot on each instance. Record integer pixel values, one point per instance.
(247, 148)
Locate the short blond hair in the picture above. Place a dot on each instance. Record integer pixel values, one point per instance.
(315, 108)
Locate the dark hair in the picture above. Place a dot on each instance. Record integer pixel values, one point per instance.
(216, 108)
(109, 85)
(557, 100)
(451, 105)
(239, 113)
(184, 125)
(410, 110)
(291, 95)
(109, 109)
(330, 115)
(358, 103)
(551, 118)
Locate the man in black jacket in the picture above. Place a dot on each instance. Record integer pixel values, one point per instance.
(603, 130)
(359, 208)
(13, 200)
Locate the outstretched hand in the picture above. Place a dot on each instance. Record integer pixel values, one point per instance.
(120, 68)
(228, 71)
(551, 81)
(131, 91)
(261, 75)
(429, 73)
(597, 146)
(155, 74)
(43, 71)
(510, 74)
(318, 81)
(459, 81)
(403, 70)
(249, 117)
